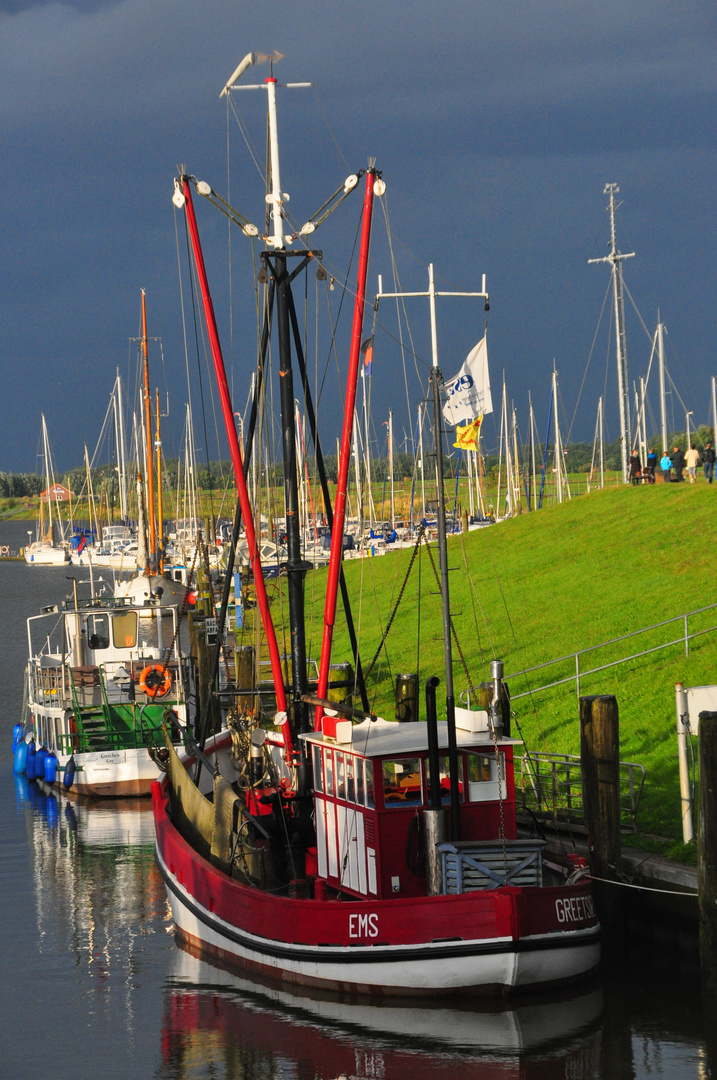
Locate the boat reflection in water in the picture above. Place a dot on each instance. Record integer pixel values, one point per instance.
(97, 889)
(216, 1020)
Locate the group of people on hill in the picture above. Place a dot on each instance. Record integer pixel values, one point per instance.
(673, 466)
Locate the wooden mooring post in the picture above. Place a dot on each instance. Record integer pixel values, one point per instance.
(707, 850)
(600, 760)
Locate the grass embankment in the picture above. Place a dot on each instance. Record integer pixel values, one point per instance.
(546, 584)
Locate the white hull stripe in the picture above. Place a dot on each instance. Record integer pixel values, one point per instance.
(372, 954)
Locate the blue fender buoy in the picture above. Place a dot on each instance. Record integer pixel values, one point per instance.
(21, 786)
(40, 756)
(30, 763)
(20, 758)
(52, 811)
(69, 776)
(50, 769)
(16, 735)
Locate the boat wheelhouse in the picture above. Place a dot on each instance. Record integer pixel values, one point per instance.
(371, 786)
(101, 674)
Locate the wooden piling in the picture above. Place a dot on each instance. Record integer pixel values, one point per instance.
(244, 675)
(707, 850)
(600, 759)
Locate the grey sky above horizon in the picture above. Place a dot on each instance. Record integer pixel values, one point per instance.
(496, 127)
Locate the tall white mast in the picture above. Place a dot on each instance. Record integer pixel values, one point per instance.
(615, 259)
(390, 467)
(602, 448)
(122, 463)
(643, 424)
(558, 451)
(714, 411)
(421, 463)
(661, 364)
(532, 451)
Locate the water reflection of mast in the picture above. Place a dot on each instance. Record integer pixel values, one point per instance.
(96, 883)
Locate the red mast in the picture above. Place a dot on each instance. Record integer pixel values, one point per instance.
(337, 535)
(237, 463)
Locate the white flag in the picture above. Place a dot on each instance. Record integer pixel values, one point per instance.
(469, 391)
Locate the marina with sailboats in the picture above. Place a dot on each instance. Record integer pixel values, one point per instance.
(372, 846)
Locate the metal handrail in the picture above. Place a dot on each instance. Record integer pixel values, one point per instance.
(557, 788)
(575, 656)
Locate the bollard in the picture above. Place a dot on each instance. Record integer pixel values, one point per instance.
(600, 760)
(406, 698)
(683, 756)
(707, 850)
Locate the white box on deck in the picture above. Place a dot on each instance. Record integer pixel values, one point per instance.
(474, 721)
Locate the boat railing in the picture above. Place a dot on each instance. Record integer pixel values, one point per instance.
(551, 787)
(470, 865)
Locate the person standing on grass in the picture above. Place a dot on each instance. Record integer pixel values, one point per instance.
(635, 468)
(692, 458)
(666, 465)
(678, 464)
(708, 462)
(651, 465)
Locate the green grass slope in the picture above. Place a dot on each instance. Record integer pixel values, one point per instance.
(546, 584)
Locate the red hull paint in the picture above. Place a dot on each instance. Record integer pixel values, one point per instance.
(510, 913)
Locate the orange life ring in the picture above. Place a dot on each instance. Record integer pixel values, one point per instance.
(160, 681)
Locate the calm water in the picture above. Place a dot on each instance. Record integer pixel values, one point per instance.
(94, 986)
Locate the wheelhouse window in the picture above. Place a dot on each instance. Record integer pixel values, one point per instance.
(402, 783)
(340, 776)
(318, 772)
(368, 784)
(98, 632)
(444, 778)
(329, 771)
(124, 630)
(483, 774)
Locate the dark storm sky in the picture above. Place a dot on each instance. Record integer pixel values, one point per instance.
(496, 127)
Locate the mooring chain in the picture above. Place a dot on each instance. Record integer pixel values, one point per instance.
(392, 616)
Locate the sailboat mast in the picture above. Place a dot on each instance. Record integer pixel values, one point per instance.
(558, 452)
(148, 436)
(661, 366)
(390, 467)
(615, 258)
(160, 508)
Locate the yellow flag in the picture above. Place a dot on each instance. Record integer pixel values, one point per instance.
(467, 436)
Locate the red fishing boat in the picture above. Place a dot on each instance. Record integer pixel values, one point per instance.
(336, 849)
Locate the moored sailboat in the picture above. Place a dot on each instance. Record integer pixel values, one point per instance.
(340, 850)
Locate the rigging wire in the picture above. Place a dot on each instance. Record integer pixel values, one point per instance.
(587, 365)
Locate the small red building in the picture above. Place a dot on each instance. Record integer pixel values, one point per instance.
(56, 493)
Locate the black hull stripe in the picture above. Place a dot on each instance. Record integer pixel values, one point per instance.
(371, 955)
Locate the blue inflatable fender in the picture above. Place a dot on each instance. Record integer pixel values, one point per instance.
(30, 763)
(20, 757)
(69, 776)
(51, 768)
(40, 763)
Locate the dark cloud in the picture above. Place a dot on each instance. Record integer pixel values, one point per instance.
(497, 126)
